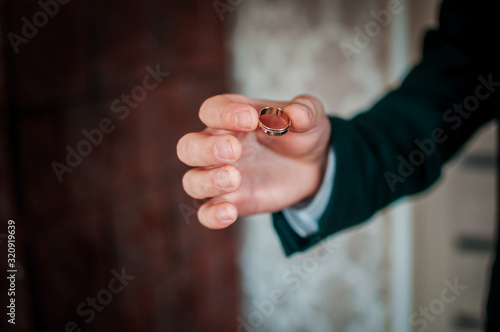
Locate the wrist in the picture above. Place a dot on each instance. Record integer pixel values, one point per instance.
(321, 167)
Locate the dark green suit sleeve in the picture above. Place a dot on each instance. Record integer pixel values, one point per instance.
(399, 146)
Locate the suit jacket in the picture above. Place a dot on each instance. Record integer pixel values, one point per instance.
(399, 146)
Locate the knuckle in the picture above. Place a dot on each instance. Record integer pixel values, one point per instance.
(181, 148)
(186, 184)
(203, 108)
(207, 102)
(199, 190)
(201, 184)
(207, 105)
(190, 149)
(202, 114)
(202, 216)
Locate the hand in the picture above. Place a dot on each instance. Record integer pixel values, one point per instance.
(244, 171)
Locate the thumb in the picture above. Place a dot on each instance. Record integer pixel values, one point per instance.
(304, 112)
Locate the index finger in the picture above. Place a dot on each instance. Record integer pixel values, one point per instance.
(239, 113)
(230, 112)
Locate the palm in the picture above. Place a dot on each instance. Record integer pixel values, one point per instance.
(277, 171)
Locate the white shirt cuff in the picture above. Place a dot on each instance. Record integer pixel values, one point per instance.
(304, 221)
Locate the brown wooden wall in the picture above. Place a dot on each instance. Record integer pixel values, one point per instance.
(122, 205)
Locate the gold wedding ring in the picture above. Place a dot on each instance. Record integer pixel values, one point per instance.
(274, 121)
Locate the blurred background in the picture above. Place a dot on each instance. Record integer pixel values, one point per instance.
(94, 97)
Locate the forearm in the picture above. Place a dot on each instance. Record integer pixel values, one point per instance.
(400, 145)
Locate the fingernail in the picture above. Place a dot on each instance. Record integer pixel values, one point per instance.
(223, 215)
(223, 150)
(222, 180)
(243, 119)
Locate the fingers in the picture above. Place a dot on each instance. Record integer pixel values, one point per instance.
(229, 112)
(304, 111)
(239, 113)
(217, 215)
(203, 183)
(200, 149)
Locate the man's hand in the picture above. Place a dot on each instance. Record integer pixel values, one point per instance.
(243, 170)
